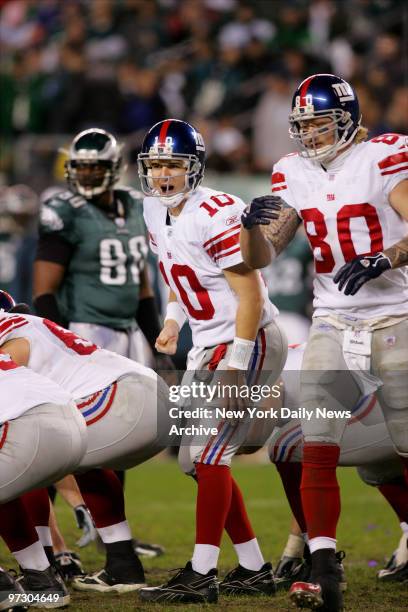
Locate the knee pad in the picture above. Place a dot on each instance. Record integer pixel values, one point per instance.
(186, 460)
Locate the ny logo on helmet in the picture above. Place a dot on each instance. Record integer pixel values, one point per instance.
(343, 91)
(199, 140)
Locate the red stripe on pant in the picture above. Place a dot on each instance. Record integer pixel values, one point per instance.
(319, 489)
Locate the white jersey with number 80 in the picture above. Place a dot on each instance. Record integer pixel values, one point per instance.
(346, 212)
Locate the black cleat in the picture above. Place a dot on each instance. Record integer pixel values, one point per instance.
(242, 581)
(293, 569)
(290, 570)
(68, 565)
(46, 586)
(10, 589)
(396, 569)
(187, 586)
(143, 549)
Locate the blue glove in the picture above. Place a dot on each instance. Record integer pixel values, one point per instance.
(261, 210)
(360, 270)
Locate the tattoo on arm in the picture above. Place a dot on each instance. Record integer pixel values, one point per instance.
(281, 231)
(398, 253)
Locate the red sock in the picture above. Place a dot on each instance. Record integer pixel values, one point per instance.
(237, 523)
(319, 489)
(213, 502)
(103, 494)
(291, 476)
(396, 494)
(16, 525)
(405, 464)
(37, 504)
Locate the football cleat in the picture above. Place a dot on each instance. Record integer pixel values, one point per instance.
(48, 586)
(9, 588)
(323, 593)
(290, 570)
(187, 586)
(293, 569)
(105, 582)
(242, 581)
(143, 549)
(68, 564)
(396, 569)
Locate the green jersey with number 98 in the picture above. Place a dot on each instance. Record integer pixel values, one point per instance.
(102, 279)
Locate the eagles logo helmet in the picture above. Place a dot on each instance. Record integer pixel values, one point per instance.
(172, 139)
(324, 95)
(94, 162)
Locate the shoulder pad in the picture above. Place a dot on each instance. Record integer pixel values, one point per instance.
(59, 199)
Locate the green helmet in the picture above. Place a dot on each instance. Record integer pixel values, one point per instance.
(94, 162)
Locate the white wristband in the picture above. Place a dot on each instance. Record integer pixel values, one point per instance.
(175, 312)
(241, 353)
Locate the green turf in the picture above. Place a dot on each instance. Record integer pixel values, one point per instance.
(160, 508)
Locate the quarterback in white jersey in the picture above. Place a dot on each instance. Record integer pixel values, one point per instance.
(195, 233)
(352, 197)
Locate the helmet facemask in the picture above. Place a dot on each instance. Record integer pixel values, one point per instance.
(340, 125)
(191, 171)
(94, 163)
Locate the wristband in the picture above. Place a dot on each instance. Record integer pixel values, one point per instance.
(175, 312)
(241, 353)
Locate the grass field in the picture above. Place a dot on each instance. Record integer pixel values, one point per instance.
(160, 508)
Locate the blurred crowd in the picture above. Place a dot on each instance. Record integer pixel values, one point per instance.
(229, 66)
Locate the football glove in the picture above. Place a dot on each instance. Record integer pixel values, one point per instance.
(261, 211)
(85, 522)
(360, 270)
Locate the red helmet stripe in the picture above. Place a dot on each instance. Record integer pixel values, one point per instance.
(163, 131)
(304, 88)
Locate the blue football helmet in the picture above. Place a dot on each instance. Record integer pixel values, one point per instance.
(324, 95)
(6, 301)
(172, 140)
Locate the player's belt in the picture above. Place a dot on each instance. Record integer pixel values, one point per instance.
(95, 406)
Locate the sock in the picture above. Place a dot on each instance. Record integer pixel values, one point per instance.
(320, 490)
(115, 533)
(237, 523)
(16, 525)
(213, 502)
(32, 557)
(396, 494)
(239, 529)
(291, 476)
(37, 503)
(321, 542)
(205, 558)
(294, 546)
(250, 555)
(103, 494)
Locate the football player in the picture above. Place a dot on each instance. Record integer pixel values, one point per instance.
(90, 271)
(352, 196)
(122, 402)
(195, 233)
(42, 436)
(366, 443)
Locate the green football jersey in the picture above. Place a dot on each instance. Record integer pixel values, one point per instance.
(102, 281)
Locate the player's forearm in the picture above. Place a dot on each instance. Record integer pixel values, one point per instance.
(257, 252)
(248, 316)
(398, 253)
